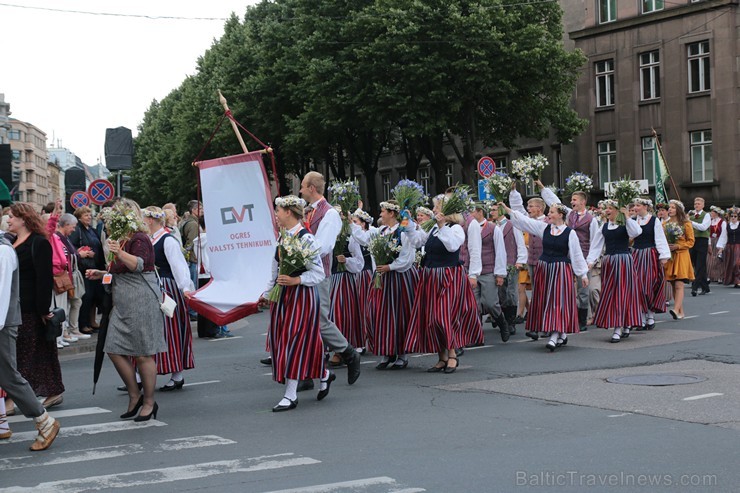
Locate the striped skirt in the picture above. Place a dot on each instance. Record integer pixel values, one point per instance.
(619, 305)
(445, 314)
(650, 276)
(391, 307)
(177, 334)
(715, 265)
(364, 282)
(732, 267)
(294, 337)
(554, 304)
(344, 307)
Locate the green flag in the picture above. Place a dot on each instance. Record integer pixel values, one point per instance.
(661, 174)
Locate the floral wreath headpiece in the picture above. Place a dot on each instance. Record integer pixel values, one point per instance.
(716, 209)
(290, 201)
(661, 205)
(611, 203)
(390, 207)
(560, 207)
(363, 216)
(643, 201)
(677, 203)
(153, 214)
(424, 210)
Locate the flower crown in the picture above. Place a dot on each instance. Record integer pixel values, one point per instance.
(560, 207)
(363, 216)
(153, 214)
(661, 205)
(290, 201)
(643, 201)
(390, 207)
(716, 209)
(424, 210)
(677, 203)
(611, 203)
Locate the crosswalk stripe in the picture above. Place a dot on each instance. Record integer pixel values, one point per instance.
(63, 413)
(75, 431)
(353, 486)
(225, 338)
(201, 383)
(166, 475)
(98, 453)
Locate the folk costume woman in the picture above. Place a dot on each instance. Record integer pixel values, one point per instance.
(554, 305)
(650, 253)
(445, 314)
(365, 276)
(294, 336)
(619, 307)
(715, 261)
(729, 246)
(174, 275)
(679, 268)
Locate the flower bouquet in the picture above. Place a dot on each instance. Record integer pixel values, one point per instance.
(409, 196)
(624, 192)
(294, 254)
(673, 231)
(345, 194)
(578, 182)
(458, 201)
(120, 223)
(499, 185)
(528, 167)
(384, 249)
(418, 259)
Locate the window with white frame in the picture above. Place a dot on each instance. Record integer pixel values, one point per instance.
(652, 6)
(385, 179)
(607, 154)
(607, 11)
(648, 159)
(14, 134)
(650, 75)
(698, 59)
(424, 174)
(702, 165)
(17, 155)
(450, 174)
(502, 163)
(605, 83)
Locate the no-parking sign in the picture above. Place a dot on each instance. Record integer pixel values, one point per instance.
(486, 166)
(100, 191)
(79, 199)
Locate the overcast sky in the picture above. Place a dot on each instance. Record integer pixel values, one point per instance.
(73, 75)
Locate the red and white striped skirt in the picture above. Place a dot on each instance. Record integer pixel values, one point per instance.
(344, 307)
(650, 276)
(391, 307)
(554, 304)
(294, 337)
(364, 282)
(445, 314)
(177, 333)
(715, 265)
(619, 305)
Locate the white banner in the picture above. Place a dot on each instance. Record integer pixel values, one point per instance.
(241, 230)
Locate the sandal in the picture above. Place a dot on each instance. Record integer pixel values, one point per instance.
(437, 369)
(450, 369)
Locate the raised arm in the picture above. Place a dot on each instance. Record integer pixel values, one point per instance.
(633, 229)
(527, 224)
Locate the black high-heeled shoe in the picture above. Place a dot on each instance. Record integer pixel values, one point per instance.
(437, 369)
(135, 410)
(177, 386)
(149, 416)
(451, 369)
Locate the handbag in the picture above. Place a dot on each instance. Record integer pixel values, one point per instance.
(168, 305)
(54, 327)
(77, 280)
(62, 283)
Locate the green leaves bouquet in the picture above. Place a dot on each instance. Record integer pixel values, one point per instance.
(295, 254)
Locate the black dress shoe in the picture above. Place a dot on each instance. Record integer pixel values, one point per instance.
(534, 335)
(397, 366)
(153, 414)
(177, 386)
(693, 293)
(551, 346)
(459, 352)
(279, 408)
(305, 385)
(650, 326)
(266, 361)
(383, 365)
(451, 369)
(352, 358)
(325, 392)
(437, 369)
(561, 342)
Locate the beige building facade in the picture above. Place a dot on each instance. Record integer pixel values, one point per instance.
(28, 144)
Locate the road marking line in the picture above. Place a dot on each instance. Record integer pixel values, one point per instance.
(354, 485)
(702, 396)
(224, 338)
(421, 355)
(111, 452)
(686, 318)
(66, 413)
(167, 474)
(75, 431)
(479, 347)
(619, 415)
(720, 313)
(201, 383)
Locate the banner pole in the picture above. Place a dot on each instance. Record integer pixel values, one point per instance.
(670, 175)
(222, 99)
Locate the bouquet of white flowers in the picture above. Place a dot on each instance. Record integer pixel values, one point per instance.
(528, 167)
(120, 223)
(458, 201)
(499, 185)
(384, 249)
(578, 182)
(294, 254)
(624, 192)
(345, 194)
(673, 231)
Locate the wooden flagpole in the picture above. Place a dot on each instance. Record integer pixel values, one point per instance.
(222, 99)
(670, 175)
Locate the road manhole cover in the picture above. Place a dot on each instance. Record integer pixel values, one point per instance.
(656, 380)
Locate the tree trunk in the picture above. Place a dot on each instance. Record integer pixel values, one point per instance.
(413, 156)
(432, 147)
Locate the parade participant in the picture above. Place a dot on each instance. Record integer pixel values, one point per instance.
(619, 307)
(701, 223)
(715, 262)
(12, 384)
(678, 269)
(170, 222)
(650, 253)
(364, 277)
(553, 308)
(135, 324)
(585, 225)
(516, 259)
(661, 212)
(294, 335)
(423, 215)
(445, 315)
(174, 280)
(535, 210)
(189, 230)
(487, 270)
(729, 247)
(323, 221)
(525, 284)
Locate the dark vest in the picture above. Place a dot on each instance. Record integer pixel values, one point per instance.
(436, 255)
(488, 249)
(367, 257)
(554, 248)
(510, 243)
(616, 240)
(699, 218)
(13, 318)
(535, 248)
(647, 238)
(582, 226)
(732, 237)
(160, 259)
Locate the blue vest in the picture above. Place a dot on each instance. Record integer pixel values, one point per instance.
(303, 232)
(555, 248)
(436, 255)
(617, 240)
(647, 238)
(160, 259)
(367, 257)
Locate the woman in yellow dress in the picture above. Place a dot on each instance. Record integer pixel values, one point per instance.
(680, 236)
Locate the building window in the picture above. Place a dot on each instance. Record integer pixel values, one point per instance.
(648, 159)
(607, 152)
(450, 174)
(424, 180)
(402, 174)
(651, 6)
(17, 155)
(702, 166)
(699, 67)
(14, 134)
(607, 11)
(605, 83)
(386, 179)
(502, 163)
(650, 75)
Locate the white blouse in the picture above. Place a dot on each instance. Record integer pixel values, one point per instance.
(661, 243)
(176, 259)
(633, 231)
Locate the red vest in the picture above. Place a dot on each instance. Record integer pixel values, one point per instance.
(510, 242)
(313, 220)
(535, 247)
(464, 254)
(488, 249)
(582, 226)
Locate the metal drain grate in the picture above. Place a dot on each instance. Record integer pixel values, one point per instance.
(656, 380)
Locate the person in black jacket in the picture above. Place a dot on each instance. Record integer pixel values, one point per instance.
(87, 242)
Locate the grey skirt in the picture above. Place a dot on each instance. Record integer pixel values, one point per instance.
(135, 327)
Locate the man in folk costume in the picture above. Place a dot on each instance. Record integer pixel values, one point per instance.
(535, 210)
(701, 222)
(324, 222)
(516, 258)
(585, 225)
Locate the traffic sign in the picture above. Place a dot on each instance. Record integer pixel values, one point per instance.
(483, 191)
(100, 191)
(79, 199)
(486, 166)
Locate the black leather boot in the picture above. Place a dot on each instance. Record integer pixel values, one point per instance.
(510, 314)
(582, 319)
(503, 327)
(352, 358)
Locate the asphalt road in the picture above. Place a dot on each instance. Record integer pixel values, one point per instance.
(513, 418)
